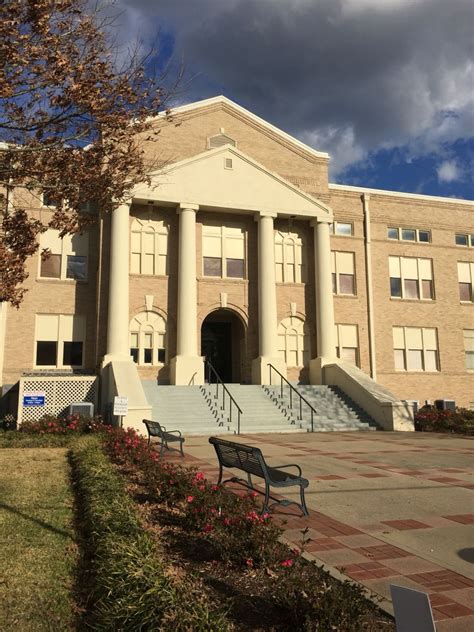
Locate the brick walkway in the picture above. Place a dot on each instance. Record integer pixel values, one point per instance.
(385, 508)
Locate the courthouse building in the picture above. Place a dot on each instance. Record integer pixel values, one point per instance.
(243, 252)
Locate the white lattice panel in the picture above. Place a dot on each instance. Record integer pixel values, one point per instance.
(60, 393)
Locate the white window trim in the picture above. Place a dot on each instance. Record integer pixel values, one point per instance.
(63, 265)
(60, 349)
(158, 228)
(417, 231)
(419, 279)
(338, 289)
(423, 350)
(291, 239)
(223, 257)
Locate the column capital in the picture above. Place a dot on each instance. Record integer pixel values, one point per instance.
(261, 214)
(321, 220)
(187, 206)
(125, 203)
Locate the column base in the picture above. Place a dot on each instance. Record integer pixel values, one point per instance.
(187, 370)
(316, 369)
(261, 370)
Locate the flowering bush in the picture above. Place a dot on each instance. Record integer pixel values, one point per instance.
(51, 424)
(230, 521)
(429, 419)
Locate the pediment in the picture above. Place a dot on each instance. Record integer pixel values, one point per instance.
(226, 178)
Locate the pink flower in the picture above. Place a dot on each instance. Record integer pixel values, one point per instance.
(249, 562)
(207, 528)
(201, 488)
(287, 563)
(226, 522)
(190, 499)
(253, 494)
(199, 476)
(214, 488)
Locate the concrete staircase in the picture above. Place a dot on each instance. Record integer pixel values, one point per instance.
(335, 411)
(182, 408)
(259, 413)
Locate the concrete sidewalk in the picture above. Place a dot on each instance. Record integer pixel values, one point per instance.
(386, 508)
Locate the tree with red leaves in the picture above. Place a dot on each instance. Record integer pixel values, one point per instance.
(70, 124)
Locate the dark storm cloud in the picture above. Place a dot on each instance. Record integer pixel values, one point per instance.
(346, 76)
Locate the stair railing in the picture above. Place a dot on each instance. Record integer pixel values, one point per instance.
(222, 388)
(297, 393)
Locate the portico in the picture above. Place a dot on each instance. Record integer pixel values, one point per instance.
(223, 180)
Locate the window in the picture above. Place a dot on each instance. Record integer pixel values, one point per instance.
(148, 339)
(469, 348)
(290, 258)
(60, 340)
(409, 234)
(293, 342)
(66, 257)
(466, 281)
(223, 251)
(462, 239)
(149, 246)
(342, 228)
(343, 274)
(411, 278)
(347, 343)
(415, 349)
(49, 198)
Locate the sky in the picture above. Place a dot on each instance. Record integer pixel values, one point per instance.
(386, 87)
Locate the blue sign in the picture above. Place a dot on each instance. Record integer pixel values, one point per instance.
(34, 398)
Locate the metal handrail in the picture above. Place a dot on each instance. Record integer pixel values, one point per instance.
(292, 388)
(232, 402)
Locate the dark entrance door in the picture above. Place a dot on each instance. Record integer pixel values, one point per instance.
(216, 346)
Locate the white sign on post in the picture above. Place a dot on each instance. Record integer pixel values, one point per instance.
(120, 406)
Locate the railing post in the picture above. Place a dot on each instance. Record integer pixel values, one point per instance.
(301, 408)
(291, 398)
(238, 421)
(223, 397)
(312, 426)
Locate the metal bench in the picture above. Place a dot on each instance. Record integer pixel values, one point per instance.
(158, 431)
(250, 460)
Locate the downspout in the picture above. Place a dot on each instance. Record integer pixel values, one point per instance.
(368, 276)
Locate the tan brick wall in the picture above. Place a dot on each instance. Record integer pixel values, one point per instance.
(176, 142)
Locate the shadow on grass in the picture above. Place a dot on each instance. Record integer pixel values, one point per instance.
(41, 523)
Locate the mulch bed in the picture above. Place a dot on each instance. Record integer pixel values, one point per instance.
(248, 595)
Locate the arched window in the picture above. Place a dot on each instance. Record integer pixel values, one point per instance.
(289, 258)
(148, 339)
(293, 341)
(149, 246)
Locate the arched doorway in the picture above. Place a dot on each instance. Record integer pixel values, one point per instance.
(223, 343)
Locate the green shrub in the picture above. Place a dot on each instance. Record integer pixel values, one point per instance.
(129, 587)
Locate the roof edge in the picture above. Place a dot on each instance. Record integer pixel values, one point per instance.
(415, 196)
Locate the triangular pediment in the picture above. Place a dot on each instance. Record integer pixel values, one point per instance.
(226, 178)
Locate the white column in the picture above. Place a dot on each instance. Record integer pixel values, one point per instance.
(118, 347)
(267, 304)
(326, 342)
(187, 367)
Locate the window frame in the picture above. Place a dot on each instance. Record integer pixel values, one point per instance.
(67, 250)
(417, 232)
(469, 240)
(224, 248)
(143, 324)
(336, 274)
(157, 228)
(469, 283)
(339, 336)
(424, 350)
(61, 340)
(334, 227)
(419, 280)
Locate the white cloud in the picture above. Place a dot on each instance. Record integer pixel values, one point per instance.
(449, 171)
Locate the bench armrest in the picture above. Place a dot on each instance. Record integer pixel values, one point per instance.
(282, 467)
(178, 432)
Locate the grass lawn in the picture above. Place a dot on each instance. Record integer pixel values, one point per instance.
(38, 553)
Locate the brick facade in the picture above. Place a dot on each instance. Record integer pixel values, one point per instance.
(187, 136)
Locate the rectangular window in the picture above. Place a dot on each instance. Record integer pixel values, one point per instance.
(68, 258)
(212, 267)
(161, 356)
(60, 340)
(392, 233)
(347, 343)
(235, 268)
(223, 250)
(51, 267)
(342, 228)
(409, 234)
(469, 348)
(415, 349)
(134, 347)
(76, 267)
(46, 353)
(72, 354)
(409, 276)
(466, 281)
(462, 240)
(343, 273)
